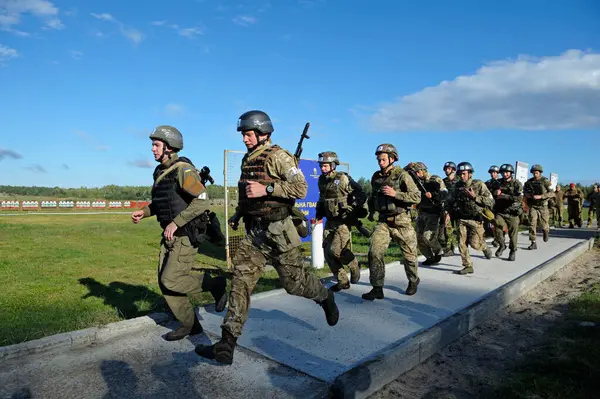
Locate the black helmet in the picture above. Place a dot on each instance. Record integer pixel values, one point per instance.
(255, 120)
(493, 168)
(507, 168)
(169, 135)
(449, 164)
(465, 166)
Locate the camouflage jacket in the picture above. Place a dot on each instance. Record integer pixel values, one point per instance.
(435, 185)
(462, 206)
(510, 200)
(574, 196)
(540, 187)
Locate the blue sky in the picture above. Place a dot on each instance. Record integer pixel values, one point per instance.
(84, 83)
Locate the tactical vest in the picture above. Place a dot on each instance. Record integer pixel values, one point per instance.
(384, 204)
(263, 208)
(168, 198)
(332, 197)
(509, 206)
(430, 205)
(493, 185)
(465, 207)
(537, 187)
(450, 183)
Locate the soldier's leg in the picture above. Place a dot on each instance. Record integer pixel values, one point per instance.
(406, 238)
(598, 217)
(422, 241)
(461, 229)
(346, 255)
(378, 244)
(432, 228)
(560, 210)
(571, 215)
(533, 220)
(544, 222)
(513, 232)
(332, 252)
(499, 234)
(477, 238)
(248, 264)
(591, 214)
(451, 237)
(175, 281)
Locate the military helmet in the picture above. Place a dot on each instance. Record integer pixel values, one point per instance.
(493, 168)
(461, 167)
(507, 168)
(387, 149)
(255, 120)
(328, 157)
(537, 167)
(169, 135)
(417, 166)
(449, 164)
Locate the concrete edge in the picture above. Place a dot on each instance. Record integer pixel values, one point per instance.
(81, 338)
(375, 372)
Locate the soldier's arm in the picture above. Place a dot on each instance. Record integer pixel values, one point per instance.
(357, 191)
(371, 199)
(412, 194)
(549, 192)
(483, 197)
(442, 193)
(189, 181)
(527, 190)
(148, 210)
(293, 184)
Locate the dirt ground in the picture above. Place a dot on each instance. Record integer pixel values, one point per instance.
(470, 366)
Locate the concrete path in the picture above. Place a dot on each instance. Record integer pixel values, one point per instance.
(287, 349)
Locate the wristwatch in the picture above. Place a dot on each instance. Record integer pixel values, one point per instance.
(270, 188)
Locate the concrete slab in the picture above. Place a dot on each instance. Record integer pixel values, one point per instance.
(293, 331)
(145, 366)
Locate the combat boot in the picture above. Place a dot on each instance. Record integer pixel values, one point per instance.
(412, 287)
(437, 259)
(183, 332)
(500, 250)
(465, 270)
(448, 252)
(428, 261)
(217, 286)
(533, 245)
(494, 244)
(222, 351)
(339, 286)
(511, 255)
(545, 236)
(332, 313)
(487, 252)
(375, 293)
(354, 273)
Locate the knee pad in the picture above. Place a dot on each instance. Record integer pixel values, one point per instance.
(346, 256)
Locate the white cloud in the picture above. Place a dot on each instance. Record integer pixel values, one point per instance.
(12, 10)
(547, 93)
(142, 163)
(244, 20)
(190, 33)
(133, 35)
(174, 109)
(76, 55)
(7, 53)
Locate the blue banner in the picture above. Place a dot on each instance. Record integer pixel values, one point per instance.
(308, 205)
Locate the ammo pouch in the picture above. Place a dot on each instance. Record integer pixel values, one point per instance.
(300, 222)
(205, 225)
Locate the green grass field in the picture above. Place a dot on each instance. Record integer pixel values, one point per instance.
(61, 273)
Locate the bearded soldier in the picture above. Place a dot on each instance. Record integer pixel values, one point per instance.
(269, 184)
(537, 191)
(177, 207)
(467, 202)
(508, 208)
(433, 195)
(340, 198)
(393, 194)
(448, 232)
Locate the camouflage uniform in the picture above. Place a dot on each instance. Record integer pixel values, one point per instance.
(592, 206)
(467, 212)
(448, 238)
(538, 209)
(334, 192)
(508, 207)
(271, 237)
(574, 198)
(492, 185)
(596, 198)
(394, 223)
(556, 210)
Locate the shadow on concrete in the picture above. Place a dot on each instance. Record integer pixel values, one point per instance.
(280, 316)
(123, 297)
(120, 379)
(22, 393)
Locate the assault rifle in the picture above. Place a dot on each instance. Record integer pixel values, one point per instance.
(299, 149)
(205, 176)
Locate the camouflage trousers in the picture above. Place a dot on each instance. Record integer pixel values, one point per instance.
(428, 227)
(591, 214)
(574, 213)
(175, 279)
(255, 250)
(512, 222)
(470, 233)
(400, 230)
(556, 215)
(447, 235)
(336, 245)
(538, 214)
